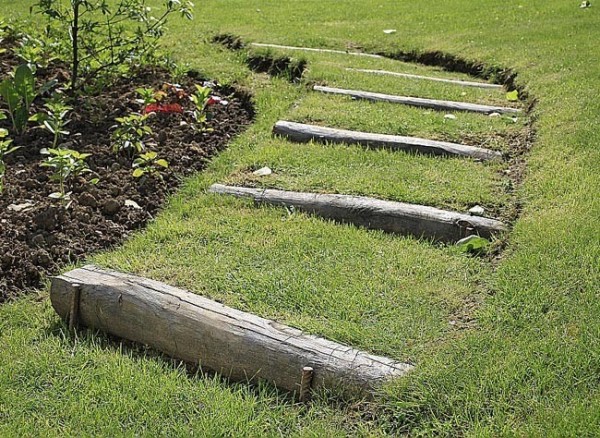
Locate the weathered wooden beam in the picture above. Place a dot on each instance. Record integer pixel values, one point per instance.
(301, 132)
(238, 345)
(389, 216)
(429, 78)
(310, 49)
(443, 105)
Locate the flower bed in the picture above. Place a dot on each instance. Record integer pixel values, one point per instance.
(97, 209)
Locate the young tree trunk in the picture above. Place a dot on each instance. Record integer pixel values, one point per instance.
(75, 36)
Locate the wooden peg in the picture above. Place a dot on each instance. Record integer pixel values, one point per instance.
(74, 311)
(305, 384)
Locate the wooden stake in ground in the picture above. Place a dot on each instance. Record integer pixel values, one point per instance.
(429, 78)
(442, 105)
(303, 133)
(395, 217)
(238, 345)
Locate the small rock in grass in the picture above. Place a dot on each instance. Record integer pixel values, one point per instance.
(263, 171)
(389, 31)
(585, 4)
(478, 210)
(111, 206)
(494, 114)
(450, 116)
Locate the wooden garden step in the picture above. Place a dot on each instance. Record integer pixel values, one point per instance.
(444, 105)
(310, 49)
(236, 344)
(389, 216)
(303, 133)
(429, 78)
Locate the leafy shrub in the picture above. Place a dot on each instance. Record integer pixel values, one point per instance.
(55, 117)
(66, 164)
(105, 35)
(149, 164)
(130, 133)
(5, 149)
(18, 93)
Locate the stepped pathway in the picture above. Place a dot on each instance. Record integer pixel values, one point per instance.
(396, 217)
(421, 298)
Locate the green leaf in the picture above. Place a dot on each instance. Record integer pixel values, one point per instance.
(138, 172)
(25, 84)
(162, 163)
(39, 117)
(9, 94)
(3, 132)
(472, 243)
(512, 96)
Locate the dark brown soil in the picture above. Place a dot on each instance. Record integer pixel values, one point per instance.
(38, 235)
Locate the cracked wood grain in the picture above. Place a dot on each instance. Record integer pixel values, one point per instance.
(394, 217)
(236, 344)
(300, 132)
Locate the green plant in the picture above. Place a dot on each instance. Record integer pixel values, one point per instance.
(148, 95)
(129, 134)
(149, 164)
(201, 99)
(105, 35)
(472, 244)
(5, 149)
(18, 93)
(54, 119)
(66, 164)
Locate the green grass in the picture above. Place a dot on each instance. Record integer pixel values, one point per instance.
(386, 118)
(441, 182)
(528, 365)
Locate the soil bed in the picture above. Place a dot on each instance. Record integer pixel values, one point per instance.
(38, 235)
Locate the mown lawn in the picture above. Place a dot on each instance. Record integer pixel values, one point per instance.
(500, 349)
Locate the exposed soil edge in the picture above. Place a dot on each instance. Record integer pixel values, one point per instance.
(453, 63)
(264, 61)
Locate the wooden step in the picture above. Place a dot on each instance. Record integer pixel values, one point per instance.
(429, 78)
(303, 133)
(310, 49)
(442, 105)
(236, 344)
(389, 216)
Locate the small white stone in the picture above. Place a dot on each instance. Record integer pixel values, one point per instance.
(450, 116)
(389, 31)
(20, 207)
(495, 115)
(132, 204)
(263, 171)
(478, 210)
